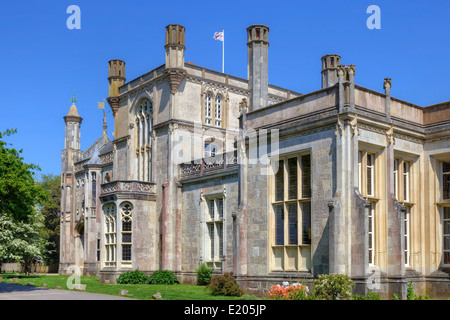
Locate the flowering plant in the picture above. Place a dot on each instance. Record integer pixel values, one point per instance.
(295, 291)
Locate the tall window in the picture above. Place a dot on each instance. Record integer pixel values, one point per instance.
(406, 181)
(110, 234)
(208, 109)
(214, 225)
(446, 235)
(367, 159)
(370, 174)
(144, 113)
(218, 111)
(396, 178)
(446, 180)
(126, 219)
(360, 156)
(291, 217)
(403, 194)
(371, 233)
(98, 249)
(406, 236)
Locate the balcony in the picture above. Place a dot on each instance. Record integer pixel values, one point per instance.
(219, 163)
(128, 189)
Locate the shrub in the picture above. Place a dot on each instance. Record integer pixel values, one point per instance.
(395, 297)
(225, 285)
(369, 296)
(132, 277)
(204, 274)
(332, 287)
(410, 295)
(163, 277)
(289, 292)
(410, 292)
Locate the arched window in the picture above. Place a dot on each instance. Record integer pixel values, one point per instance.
(214, 109)
(144, 114)
(218, 111)
(208, 111)
(110, 234)
(210, 150)
(127, 231)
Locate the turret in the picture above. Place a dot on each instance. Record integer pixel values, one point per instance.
(175, 46)
(258, 65)
(330, 65)
(116, 79)
(175, 56)
(73, 125)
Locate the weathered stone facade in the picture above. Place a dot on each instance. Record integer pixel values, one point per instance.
(260, 181)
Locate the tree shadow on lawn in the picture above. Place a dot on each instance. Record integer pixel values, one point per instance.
(13, 287)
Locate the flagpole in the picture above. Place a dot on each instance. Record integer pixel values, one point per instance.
(223, 51)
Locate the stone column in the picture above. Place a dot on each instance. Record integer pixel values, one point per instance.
(240, 217)
(395, 227)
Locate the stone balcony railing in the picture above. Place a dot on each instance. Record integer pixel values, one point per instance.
(128, 189)
(205, 166)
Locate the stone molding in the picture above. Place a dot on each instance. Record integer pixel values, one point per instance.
(175, 76)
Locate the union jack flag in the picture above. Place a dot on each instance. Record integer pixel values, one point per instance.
(218, 36)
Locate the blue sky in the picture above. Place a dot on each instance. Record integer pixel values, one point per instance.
(42, 61)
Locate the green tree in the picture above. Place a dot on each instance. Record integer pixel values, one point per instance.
(21, 224)
(50, 210)
(22, 240)
(19, 193)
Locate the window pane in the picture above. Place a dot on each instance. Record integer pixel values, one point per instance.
(220, 232)
(279, 225)
(370, 174)
(447, 243)
(306, 176)
(211, 209)
(447, 257)
(446, 167)
(447, 227)
(446, 186)
(279, 182)
(292, 179)
(396, 179)
(220, 208)
(126, 252)
(211, 239)
(126, 225)
(406, 181)
(126, 237)
(446, 212)
(359, 170)
(293, 223)
(306, 222)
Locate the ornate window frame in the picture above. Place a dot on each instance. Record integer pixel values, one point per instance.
(143, 123)
(214, 230)
(214, 107)
(109, 258)
(126, 234)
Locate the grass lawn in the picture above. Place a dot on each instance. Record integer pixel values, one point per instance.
(136, 291)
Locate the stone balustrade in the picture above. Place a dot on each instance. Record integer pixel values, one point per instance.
(209, 165)
(130, 189)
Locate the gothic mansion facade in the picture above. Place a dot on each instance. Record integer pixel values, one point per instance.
(354, 181)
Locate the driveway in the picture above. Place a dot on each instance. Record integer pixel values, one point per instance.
(9, 291)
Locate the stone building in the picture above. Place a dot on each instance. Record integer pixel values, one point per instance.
(260, 181)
